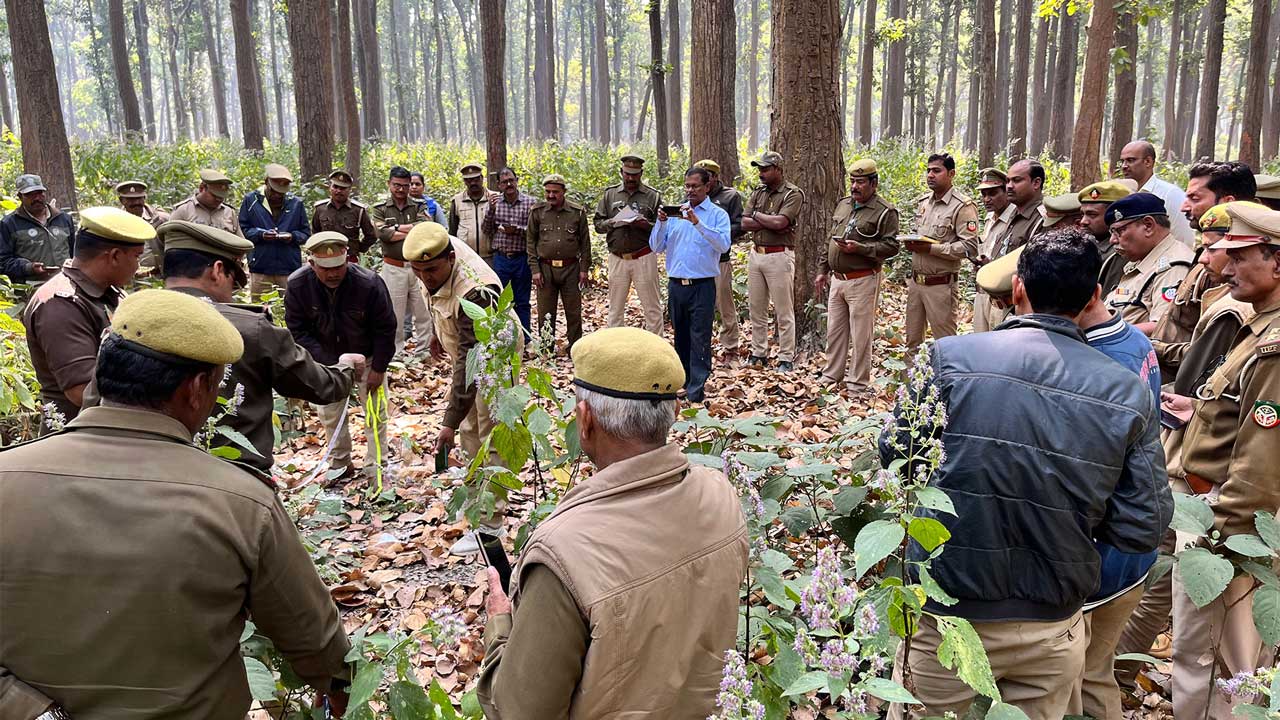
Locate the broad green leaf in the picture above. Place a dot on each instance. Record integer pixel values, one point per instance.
(236, 437)
(511, 404)
(849, 498)
(928, 532)
(798, 519)
(1191, 515)
(787, 666)
(807, 683)
(1262, 573)
(1275, 693)
(1252, 712)
(1248, 545)
(444, 706)
(262, 684)
(1139, 657)
(935, 499)
(874, 543)
(1204, 575)
(888, 690)
(471, 706)
(473, 311)
(1004, 711)
(961, 650)
(365, 684)
(774, 589)
(539, 422)
(812, 470)
(408, 701)
(779, 561)
(225, 452)
(249, 630)
(933, 589)
(513, 444)
(759, 460)
(711, 461)
(1268, 527)
(539, 381)
(1266, 614)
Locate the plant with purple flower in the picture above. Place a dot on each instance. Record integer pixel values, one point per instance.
(734, 700)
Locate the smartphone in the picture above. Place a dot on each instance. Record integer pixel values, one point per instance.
(672, 210)
(496, 558)
(442, 460)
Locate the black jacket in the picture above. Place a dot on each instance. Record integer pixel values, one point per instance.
(355, 318)
(1049, 445)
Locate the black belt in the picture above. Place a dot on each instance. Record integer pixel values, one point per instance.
(511, 254)
(691, 281)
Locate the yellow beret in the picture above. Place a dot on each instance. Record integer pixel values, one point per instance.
(425, 242)
(116, 225)
(1105, 192)
(177, 325)
(996, 277)
(555, 179)
(865, 167)
(328, 248)
(627, 362)
(131, 189)
(708, 165)
(1251, 224)
(991, 178)
(1215, 219)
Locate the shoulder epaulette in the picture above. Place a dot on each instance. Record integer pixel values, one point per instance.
(357, 203)
(318, 203)
(1269, 344)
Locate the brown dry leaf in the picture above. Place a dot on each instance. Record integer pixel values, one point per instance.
(406, 595)
(414, 620)
(444, 665)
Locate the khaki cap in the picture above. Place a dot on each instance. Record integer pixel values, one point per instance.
(708, 165)
(327, 249)
(1268, 186)
(278, 177)
(341, 178)
(471, 170)
(991, 178)
(184, 235)
(214, 180)
(1251, 224)
(131, 189)
(632, 164)
(178, 326)
(115, 225)
(863, 167)
(555, 179)
(1105, 192)
(627, 362)
(426, 242)
(1057, 207)
(996, 277)
(767, 158)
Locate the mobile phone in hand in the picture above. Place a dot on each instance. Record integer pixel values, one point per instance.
(673, 210)
(442, 460)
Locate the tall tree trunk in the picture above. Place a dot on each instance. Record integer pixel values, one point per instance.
(1235, 109)
(1063, 87)
(544, 71)
(1093, 96)
(600, 76)
(866, 69)
(1003, 47)
(1271, 134)
(184, 124)
(143, 42)
(120, 63)
(1171, 89)
(953, 72)
(345, 73)
(1256, 92)
(1189, 82)
(805, 128)
(530, 30)
(5, 108)
(562, 82)
(312, 85)
(440, 72)
(940, 88)
(1147, 93)
(493, 41)
(660, 121)
(975, 79)
(712, 130)
(675, 100)
(1126, 85)
(987, 94)
(253, 123)
(639, 122)
(753, 80)
(1017, 133)
(106, 90)
(1042, 88)
(44, 137)
(1207, 127)
(895, 81)
(216, 81)
(371, 89)
(584, 59)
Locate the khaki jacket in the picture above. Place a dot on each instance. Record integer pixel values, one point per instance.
(466, 221)
(224, 217)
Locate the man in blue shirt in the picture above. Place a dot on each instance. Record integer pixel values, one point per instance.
(274, 221)
(693, 243)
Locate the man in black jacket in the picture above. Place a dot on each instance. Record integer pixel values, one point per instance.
(334, 307)
(1049, 445)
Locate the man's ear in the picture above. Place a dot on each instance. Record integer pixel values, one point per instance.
(586, 419)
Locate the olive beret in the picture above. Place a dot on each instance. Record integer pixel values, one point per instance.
(328, 248)
(627, 362)
(1105, 192)
(991, 178)
(184, 235)
(173, 325)
(555, 179)
(1056, 207)
(116, 225)
(425, 242)
(708, 165)
(996, 277)
(1251, 224)
(864, 167)
(1132, 207)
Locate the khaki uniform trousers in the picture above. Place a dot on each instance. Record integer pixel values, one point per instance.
(932, 304)
(406, 296)
(1096, 693)
(771, 277)
(1035, 665)
(1227, 623)
(260, 284)
(730, 333)
(331, 416)
(560, 283)
(851, 319)
(981, 306)
(642, 273)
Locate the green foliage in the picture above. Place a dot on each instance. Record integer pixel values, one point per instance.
(19, 389)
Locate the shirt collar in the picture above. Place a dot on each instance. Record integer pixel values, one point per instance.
(78, 276)
(1150, 262)
(1265, 315)
(133, 420)
(1112, 327)
(1030, 210)
(660, 466)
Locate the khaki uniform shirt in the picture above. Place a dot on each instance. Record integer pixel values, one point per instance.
(386, 217)
(1233, 439)
(64, 321)
(871, 230)
(1177, 325)
(466, 222)
(353, 220)
(786, 200)
(153, 254)
(1147, 287)
(628, 238)
(952, 220)
(1024, 224)
(994, 229)
(223, 217)
(560, 235)
(131, 561)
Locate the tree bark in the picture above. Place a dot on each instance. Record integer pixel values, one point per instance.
(712, 128)
(1171, 89)
(253, 123)
(600, 76)
(1189, 81)
(1207, 128)
(658, 73)
(344, 71)
(120, 64)
(1003, 48)
(440, 73)
(1256, 91)
(493, 42)
(805, 129)
(312, 85)
(753, 80)
(106, 90)
(1126, 86)
(1271, 134)
(371, 88)
(216, 81)
(143, 42)
(1087, 138)
(895, 80)
(953, 79)
(544, 71)
(1148, 79)
(44, 137)
(1017, 134)
(675, 100)
(1042, 89)
(975, 79)
(5, 108)
(866, 70)
(184, 124)
(1058, 142)
(987, 84)
(939, 91)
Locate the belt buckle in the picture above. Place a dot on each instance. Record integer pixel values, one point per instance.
(557, 263)
(919, 278)
(685, 281)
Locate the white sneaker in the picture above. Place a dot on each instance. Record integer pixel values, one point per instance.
(469, 544)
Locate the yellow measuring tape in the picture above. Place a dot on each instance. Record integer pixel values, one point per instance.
(374, 405)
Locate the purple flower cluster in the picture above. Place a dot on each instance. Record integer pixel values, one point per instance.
(449, 627)
(835, 658)
(1247, 684)
(734, 699)
(826, 598)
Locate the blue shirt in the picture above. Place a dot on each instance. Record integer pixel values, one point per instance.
(693, 251)
(274, 257)
(1125, 344)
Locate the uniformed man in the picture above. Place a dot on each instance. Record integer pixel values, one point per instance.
(995, 199)
(770, 219)
(1094, 200)
(274, 220)
(467, 210)
(729, 200)
(506, 221)
(863, 236)
(208, 206)
(394, 218)
(1156, 262)
(205, 262)
(1025, 185)
(566, 642)
(1060, 211)
(132, 195)
(1268, 190)
(150, 552)
(344, 214)
(67, 315)
(625, 215)
(35, 239)
(947, 221)
(1230, 452)
(559, 243)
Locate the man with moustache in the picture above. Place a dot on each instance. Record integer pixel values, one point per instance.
(132, 195)
(35, 239)
(995, 199)
(1156, 261)
(1094, 200)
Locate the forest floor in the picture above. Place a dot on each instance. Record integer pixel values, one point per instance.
(387, 559)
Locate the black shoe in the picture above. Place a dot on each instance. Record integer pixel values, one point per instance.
(785, 366)
(757, 361)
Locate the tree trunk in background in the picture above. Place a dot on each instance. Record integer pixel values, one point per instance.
(600, 91)
(1042, 91)
(312, 85)
(712, 129)
(179, 111)
(987, 84)
(895, 80)
(939, 91)
(1207, 127)
(276, 88)
(397, 85)
(660, 121)
(753, 80)
(106, 93)
(143, 43)
(5, 108)
(1017, 134)
(44, 136)
(374, 106)
(1171, 88)
(953, 70)
(216, 81)
(493, 43)
(805, 129)
(1189, 79)
(675, 98)
(345, 73)
(1271, 133)
(866, 70)
(1087, 140)
(1143, 128)
(562, 82)
(440, 72)
(1256, 91)
(1063, 87)
(1126, 87)
(120, 64)
(638, 122)
(1003, 47)
(975, 80)
(253, 123)
(544, 72)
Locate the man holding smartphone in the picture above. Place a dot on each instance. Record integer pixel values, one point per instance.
(274, 221)
(505, 221)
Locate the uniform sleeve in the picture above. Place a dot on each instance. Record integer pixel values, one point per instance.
(298, 322)
(490, 223)
(298, 224)
(1251, 475)
(17, 268)
(381, 229)
(531, 236)
(366, 230)
(885, 245)
(533, 661)
(462, 396)
(290, 604)
(20, 700)
(792, 202)
(248, 228)
(966, 243)
(315, 220)
(1141, 506)
(584, 242)
(1162, 290)
(295, 374)
(69, 338)
(734, 208)
(602, 214)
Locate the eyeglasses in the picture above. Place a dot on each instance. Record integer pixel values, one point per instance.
(1118, 229)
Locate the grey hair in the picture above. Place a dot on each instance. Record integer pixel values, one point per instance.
(628, 419)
